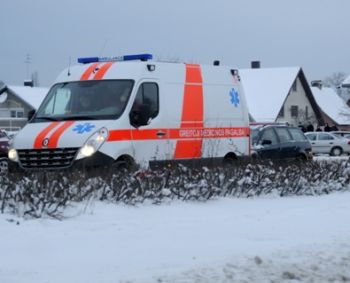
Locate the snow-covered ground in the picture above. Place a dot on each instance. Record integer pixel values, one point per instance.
(294, 239)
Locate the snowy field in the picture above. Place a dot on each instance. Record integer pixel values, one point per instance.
(292, 239)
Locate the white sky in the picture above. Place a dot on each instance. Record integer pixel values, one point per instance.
(312, 34)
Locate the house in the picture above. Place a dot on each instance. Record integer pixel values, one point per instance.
(333, 108)
(16, 102)
(346, 83)
(345, 89)
(280, 95)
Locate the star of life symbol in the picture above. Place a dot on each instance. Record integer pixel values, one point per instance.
(82, 128)
(234, 97)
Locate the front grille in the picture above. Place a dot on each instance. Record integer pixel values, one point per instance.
(46, 158)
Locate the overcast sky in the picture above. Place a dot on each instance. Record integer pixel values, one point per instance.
(313, 34)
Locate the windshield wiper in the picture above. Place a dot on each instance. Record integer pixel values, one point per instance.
(47, 118)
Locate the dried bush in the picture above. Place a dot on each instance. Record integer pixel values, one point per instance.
(40, 194)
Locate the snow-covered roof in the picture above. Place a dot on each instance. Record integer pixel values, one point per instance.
(266, 89)
(332, 104)
(346, 82)
(32, 95)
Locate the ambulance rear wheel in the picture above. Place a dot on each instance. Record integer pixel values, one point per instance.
(230, 159)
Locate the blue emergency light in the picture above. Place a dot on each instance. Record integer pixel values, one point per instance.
(142, 57)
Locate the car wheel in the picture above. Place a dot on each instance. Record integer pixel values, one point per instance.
(302, 157)
(336, 151)
(3, 165)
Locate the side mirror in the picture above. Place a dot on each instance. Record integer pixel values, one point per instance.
(266, 142)
(140, 117)
(134, 117)
(30, 114)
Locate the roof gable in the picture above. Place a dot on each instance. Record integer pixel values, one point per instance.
(266, 90)
(31, 95)
(332, 105)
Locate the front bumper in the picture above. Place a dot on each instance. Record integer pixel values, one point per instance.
(97, 160)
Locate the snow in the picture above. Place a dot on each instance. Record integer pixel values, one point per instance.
(332, 104)
(346, 82)
(305, 239)
(266, 89)
(32, 95)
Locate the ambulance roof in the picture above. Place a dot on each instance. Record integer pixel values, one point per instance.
(136, 70)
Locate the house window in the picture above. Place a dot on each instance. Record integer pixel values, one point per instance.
(294, 111)
(281, 113)
(16, 113)
(294, 86)
(306, 112)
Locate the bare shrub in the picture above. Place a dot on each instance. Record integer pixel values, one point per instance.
(39, 194)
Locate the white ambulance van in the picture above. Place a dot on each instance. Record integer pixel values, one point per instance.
(128, 110)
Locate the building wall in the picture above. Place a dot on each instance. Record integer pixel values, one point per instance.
(330, 122)
(13, 113)
(297, 98)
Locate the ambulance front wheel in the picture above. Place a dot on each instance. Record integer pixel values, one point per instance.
(125, 164)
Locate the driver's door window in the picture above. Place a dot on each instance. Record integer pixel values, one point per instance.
(146, 105)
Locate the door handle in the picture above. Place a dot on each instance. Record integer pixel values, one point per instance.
(161, 134)
(330, 143)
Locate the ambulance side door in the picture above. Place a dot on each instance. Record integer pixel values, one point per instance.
(149, 136)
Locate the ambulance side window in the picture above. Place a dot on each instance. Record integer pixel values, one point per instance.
(146, 105)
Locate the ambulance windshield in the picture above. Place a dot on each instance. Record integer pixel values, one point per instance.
(85, 100)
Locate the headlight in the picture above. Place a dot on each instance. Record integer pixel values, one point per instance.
(13, 155)
(93, 143)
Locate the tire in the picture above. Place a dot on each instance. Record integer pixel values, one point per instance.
(229, 160)
(124, 165)
(336, 151)
(301, 157)
(121, 165)
(3, 165)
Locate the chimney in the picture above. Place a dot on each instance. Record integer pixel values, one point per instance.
(255, 64)
(216, 63)
(29, 83)
(317, 83)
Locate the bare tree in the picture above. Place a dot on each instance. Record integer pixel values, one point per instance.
(334, 80)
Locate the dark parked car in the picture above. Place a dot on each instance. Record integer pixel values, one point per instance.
(278, 142)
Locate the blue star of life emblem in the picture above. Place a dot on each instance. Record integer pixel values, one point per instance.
(82, 128)
(234, 97)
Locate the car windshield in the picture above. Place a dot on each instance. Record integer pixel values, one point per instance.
(297, 134)
(105, 99)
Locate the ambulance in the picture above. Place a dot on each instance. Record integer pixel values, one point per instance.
(123, 111)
